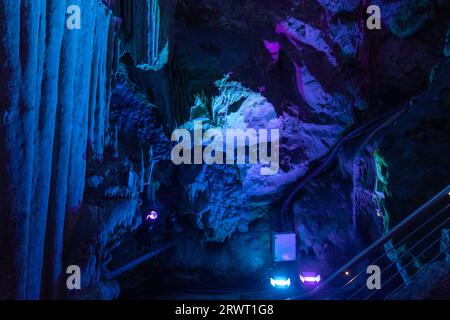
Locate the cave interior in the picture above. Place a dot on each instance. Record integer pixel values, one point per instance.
(97, 97)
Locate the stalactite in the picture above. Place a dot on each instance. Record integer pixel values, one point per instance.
(116, 143)
(81, 100)
(99, 112)
(144, 22)
(19, 75)
(30, 18)
(54, 23)
(61, 153)
(151, 165)
(153, 23)
(142, 170)
(37, 214)
(77, 165)
(47, 91)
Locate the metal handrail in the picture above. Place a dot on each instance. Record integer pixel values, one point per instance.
(410, 263)
(325, 161)
(404, 254)
(147, 256)
(445, 193)
(403, 285)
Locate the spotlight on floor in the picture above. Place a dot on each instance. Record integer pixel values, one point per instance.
(280, 282)
(309, 277)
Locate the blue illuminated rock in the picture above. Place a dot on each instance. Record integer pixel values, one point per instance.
(56, 97)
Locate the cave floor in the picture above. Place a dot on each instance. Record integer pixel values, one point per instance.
(267, 293)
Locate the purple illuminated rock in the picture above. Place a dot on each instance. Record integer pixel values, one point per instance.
(242, 194)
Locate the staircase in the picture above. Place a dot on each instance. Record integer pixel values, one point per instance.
(412, 257)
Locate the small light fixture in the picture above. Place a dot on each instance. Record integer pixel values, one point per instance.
(152, 216)
(309, 277)
(280, 282)
(347, 273)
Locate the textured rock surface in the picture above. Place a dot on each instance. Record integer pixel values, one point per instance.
(335, 6)
(100, 230)
(55, 98)
(404, 17)
(243, 256)
(243, 194)
(137, 119)
(415, 155)
(339, 75)
(309, 68)
(323, 219)
(447, 43)
(432, 283)
(144, 31)
(415, 149)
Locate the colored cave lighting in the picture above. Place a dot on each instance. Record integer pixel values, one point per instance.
(152, 216)
(309, 277)
(280, 282)
(284, 247)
